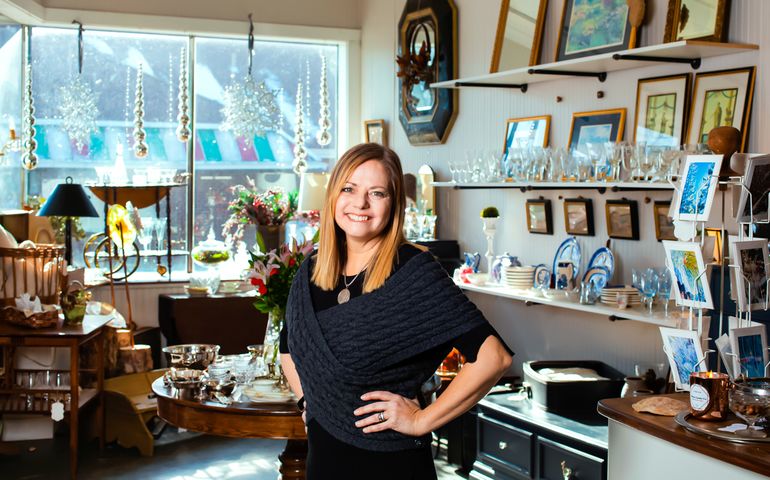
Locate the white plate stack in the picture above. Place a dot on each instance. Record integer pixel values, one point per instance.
(519, 278)
(610, 295)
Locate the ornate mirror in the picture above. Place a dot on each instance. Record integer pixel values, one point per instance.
(427, 53)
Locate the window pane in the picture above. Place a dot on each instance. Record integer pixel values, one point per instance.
(10, 107)
(110, 65)
(221, 159)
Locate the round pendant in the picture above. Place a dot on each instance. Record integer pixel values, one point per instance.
(343, 296)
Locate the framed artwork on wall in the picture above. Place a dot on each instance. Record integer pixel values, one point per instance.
(527, 132)
(622, 219)
(697, 20)
(720, 99)
(376, 132)
(599, 126)
(662, 104)
(664, 225)
(591, 27)
(539, 218)
(579, 216)
(519, 34)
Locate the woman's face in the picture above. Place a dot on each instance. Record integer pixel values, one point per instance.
(364, 203)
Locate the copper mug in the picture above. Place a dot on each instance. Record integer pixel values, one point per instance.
(708, 395)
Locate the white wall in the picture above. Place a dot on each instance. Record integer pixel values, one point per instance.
(543, 332)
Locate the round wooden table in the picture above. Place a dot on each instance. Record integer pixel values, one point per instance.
(242, 420)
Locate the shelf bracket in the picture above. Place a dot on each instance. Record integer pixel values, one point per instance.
(693, 62)
(615, 318)
(530, 303)
(523, 86)
(602, 76)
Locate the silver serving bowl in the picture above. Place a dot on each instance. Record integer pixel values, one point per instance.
(222, 387)
(196, 356)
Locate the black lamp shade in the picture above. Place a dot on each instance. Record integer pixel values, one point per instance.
(68, 200)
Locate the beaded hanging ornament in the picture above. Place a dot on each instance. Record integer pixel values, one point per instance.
(77, 103)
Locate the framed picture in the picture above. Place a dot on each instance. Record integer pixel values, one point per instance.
(664, 226)
(376, 132)
(697, 20)
(661, 106)
(539, 216)
(713, 241)
(721, 99)
(684, 261)
(527, 132)
(596, 127)
(685, 354)
(519, 34)
(750, 347)
(579, 216)
(692, 201)
(622, 219)
(591, 27)
(752, 206)
(750, 282)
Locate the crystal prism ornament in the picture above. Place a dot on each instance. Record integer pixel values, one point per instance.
(324, 137)
(182, 130)
(299, 165)
(140, 147)
(28, 157)
(250, 109)
(78, 110)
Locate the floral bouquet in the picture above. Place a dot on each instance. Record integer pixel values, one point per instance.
(273, 207)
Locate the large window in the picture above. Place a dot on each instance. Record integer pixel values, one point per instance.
(10, 107)
(221, 160)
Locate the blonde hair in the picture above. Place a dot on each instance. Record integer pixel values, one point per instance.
(332, 249)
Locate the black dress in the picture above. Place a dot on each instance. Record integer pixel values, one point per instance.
(327, 455)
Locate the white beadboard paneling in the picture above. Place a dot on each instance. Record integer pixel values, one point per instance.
(545, 332)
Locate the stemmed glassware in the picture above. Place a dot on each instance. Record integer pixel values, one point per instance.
(647, 161)
(649, 284)
(664, 288)
(145, 233)
(160, 231)
(453, 169)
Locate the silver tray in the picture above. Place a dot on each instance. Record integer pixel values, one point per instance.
(710, 428)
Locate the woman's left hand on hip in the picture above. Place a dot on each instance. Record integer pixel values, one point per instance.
(389, 412)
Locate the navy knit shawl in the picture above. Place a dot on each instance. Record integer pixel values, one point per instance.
(370, 343)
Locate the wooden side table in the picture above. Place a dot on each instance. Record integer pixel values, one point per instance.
(72, 337)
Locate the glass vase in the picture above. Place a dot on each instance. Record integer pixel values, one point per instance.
(271, 353)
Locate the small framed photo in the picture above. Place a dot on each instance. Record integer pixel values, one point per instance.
(750, 347)
(579, 216)
(757, 181)
(684, 261)
(599, 126)
(376, 132)
(592, 27)
(661, 106)
(664, 225)
(696, 188)
(527, 132)
(750, 282)
(696, 20)
(720, 99)
(685, 354)
(622, 219)
(539, 216)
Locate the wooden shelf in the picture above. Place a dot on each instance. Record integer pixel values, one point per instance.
(686, 50)
(16, 403)
(635, 314)
(612, 186)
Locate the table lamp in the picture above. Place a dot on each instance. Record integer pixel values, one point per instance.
(312, 191)
(68, 200)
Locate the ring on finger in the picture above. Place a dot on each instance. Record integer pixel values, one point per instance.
(381, 417)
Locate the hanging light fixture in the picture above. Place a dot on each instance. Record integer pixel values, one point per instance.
(250, 108)
(77, 103)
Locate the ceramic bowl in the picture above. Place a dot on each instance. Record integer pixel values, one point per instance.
(477, 279)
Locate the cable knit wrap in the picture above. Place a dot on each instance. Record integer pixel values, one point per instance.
(370, 343)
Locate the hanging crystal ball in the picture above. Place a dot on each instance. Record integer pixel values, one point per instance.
(78, 110)
(250, 109)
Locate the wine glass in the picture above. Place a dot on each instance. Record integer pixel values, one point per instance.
(453, 170)
(614, 152)
(144, 234)
(160, 231)
(649, 285)
(664, 288)
(595, 152)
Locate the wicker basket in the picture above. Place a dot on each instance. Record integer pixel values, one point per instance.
(46, 319)
(37, 271)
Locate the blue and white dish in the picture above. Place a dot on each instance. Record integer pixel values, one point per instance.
(603, 257)
(597, 276)
(542, 276)
(569, 250)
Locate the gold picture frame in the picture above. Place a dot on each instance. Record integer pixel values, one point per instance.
(579, 216)
(669, 96)
(664, 225)
(622, 219)
(706, 23)
(539, 218)
(538, 126)
(375, 131)
(530, 12)
(616, 118)
(572, 35)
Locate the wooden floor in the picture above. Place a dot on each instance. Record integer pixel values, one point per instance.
(183, 456)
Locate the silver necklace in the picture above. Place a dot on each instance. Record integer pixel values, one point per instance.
(344, 295)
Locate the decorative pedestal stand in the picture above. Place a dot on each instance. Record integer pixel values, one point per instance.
(490, 227)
